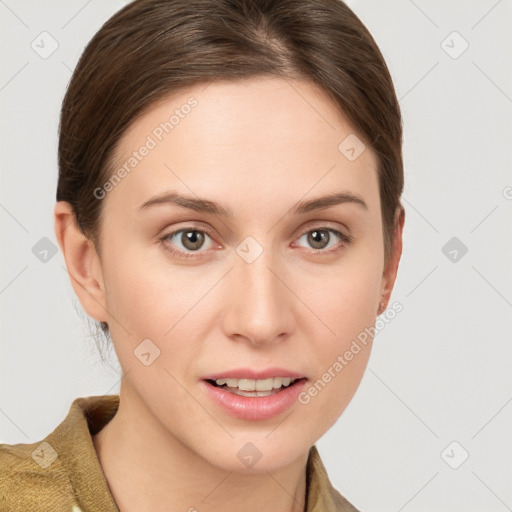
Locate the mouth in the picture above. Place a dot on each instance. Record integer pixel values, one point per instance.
(255, 387)
(254, 395)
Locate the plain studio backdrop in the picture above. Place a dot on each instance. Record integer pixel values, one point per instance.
(429, 427)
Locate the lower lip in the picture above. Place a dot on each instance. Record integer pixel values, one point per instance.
(258, 408)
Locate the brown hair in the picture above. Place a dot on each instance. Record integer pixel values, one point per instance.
(152, 48)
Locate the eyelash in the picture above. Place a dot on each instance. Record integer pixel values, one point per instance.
(346, 240)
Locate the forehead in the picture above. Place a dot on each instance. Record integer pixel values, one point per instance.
(252, 136)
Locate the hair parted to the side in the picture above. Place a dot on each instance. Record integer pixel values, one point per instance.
(152, 48)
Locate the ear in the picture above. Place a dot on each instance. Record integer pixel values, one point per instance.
(82, 262)
(391, 268)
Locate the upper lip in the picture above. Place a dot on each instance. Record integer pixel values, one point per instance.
(248, 373)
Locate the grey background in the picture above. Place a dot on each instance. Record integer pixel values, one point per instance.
(440, 371)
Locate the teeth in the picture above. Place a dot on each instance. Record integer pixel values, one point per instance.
(237, 391)
(256, 385)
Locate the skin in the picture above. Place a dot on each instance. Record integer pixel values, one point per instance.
(257, 146)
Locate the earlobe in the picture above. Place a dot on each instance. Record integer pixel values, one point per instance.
(82, 262)
(391, 268)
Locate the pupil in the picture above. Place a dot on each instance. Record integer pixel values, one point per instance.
(318, 238)
(192, 239)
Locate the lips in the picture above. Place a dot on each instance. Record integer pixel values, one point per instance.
(249, 373)
(254, 407)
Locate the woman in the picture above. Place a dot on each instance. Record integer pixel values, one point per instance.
(228, 207)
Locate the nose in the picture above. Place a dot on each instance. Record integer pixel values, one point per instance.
(260, 305)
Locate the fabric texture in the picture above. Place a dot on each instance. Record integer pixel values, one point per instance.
(62, 472)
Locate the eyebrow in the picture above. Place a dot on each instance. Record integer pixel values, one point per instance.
(204, 205)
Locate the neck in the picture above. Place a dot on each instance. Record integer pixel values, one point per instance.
(149, 469)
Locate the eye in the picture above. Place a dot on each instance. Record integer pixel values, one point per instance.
(186, 240)
(321, 239)
(183, 243)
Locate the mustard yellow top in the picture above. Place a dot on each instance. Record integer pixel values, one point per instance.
(62, 472)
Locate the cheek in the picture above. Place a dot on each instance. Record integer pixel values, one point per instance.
(135, 296)
(327, 395)
(347, 308)
(346, 297)
(145, 293)
(150, 298)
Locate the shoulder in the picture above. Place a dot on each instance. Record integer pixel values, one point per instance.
(62, 470)
(33, 477)
(321, 495)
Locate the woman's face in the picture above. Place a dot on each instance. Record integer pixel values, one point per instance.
(238, 272)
